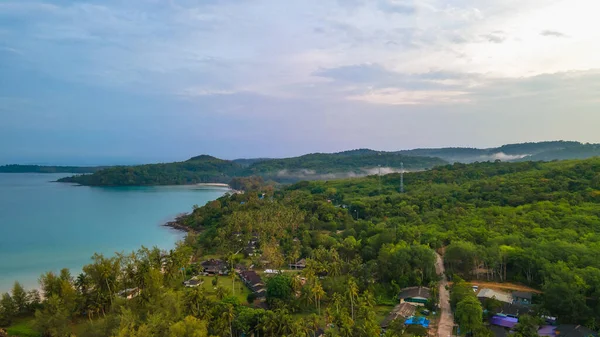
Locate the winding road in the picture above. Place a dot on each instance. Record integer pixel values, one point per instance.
(446, 318)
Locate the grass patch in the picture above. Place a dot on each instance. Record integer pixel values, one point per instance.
(381, 312)
(241, 291)
(22, 327)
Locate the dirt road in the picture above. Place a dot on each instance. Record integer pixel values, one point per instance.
(446, 318)
(505, 286)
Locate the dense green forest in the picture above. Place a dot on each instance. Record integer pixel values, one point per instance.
(320, 166)
(48, 169)
(200, 169)
(204, 169)
(532, 223)
(546, 151)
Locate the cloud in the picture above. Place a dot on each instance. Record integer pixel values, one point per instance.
(196, 92)
(398, 7)
(291, 68)
(552, 33)
(395, 96)
(495, 37)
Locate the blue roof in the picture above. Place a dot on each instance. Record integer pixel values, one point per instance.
(422, 321)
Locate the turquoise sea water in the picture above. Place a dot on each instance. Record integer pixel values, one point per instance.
(48, 226)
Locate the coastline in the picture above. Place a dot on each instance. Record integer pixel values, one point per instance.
(176, 224)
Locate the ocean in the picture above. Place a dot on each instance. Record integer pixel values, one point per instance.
(47, 226)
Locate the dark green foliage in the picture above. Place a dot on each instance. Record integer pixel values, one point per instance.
(201, 169)
(207, 169)
(527, 326)
(8, 310)
(279, 288)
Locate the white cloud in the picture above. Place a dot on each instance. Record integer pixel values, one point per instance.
(393, 96)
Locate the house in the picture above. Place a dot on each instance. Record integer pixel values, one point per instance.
(193, 283)
(300, 264)
(253, 281)
(416, 295)
(214, 267)
(250, 249)
(508, 309)
(504, 321)
(514, 310)
(500, 296)
(522, 297)
(572, 330)
(402, 310)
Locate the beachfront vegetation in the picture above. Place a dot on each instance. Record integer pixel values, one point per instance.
(362, 241)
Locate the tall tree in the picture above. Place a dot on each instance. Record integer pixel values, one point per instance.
(469, 313)
(189, 327)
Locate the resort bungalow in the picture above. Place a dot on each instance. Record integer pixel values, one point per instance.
(521, 297)
(253, 281)
(500, 296)
(415, 295)
(214, 267)
(300, 264)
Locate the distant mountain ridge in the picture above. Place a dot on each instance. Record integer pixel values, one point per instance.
(49, 169)
(540, 151)
(314, 166)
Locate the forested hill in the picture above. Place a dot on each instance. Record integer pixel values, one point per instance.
(48, 169)
(203, 169)
(328, 165)
(319, 166)
(200, 169)
(532, 223)
(546, 151)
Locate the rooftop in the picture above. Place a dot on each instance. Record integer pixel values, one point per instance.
(571, 330)
(401, 310)
(414, 292)
(522, 294)
(504, 321)
(500, 296)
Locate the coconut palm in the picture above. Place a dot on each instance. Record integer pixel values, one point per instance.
(353, 294)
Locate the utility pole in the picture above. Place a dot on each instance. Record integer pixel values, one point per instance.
(401, 177)
(379, 179)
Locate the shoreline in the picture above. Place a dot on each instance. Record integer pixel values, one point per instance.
(176, 225)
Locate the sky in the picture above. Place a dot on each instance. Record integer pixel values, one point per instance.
(141, 81)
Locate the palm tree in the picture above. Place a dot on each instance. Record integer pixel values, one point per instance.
(336, 299)
(230, 314)
(319, 293)
(220, 292)
(296, 283)
(352, 293)
(313, 323)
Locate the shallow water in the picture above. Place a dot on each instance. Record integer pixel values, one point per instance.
(48, 226)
